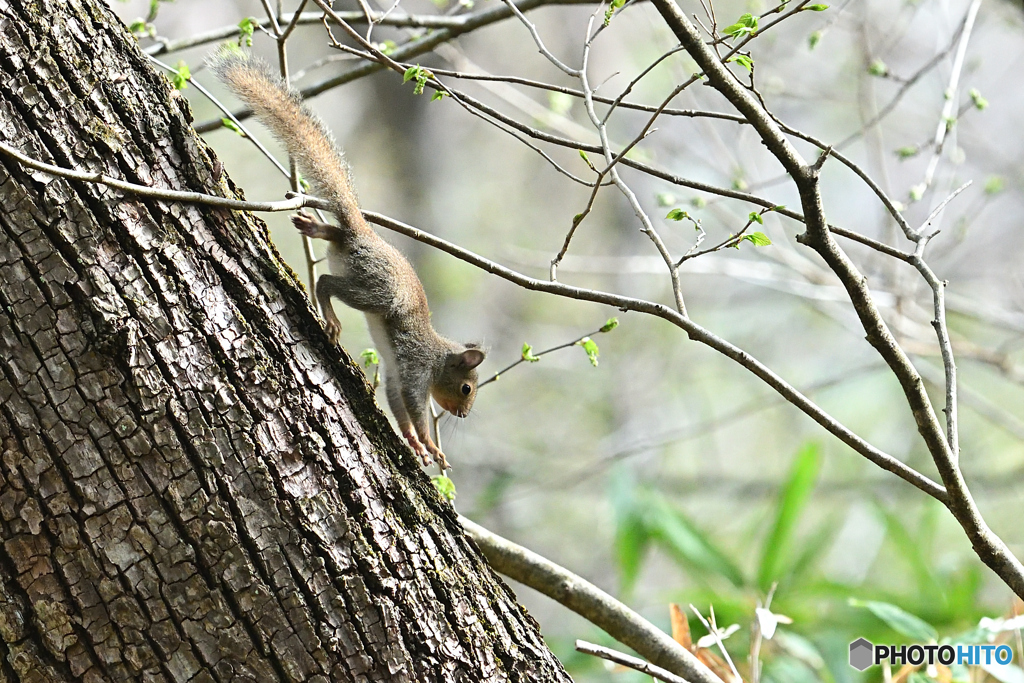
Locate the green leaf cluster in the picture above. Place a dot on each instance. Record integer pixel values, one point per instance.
(745, 25)
(420, 75)
(181, 76)
(744, 61)
(246, 27)
(444, 486)
(370, 357)
(612, 7)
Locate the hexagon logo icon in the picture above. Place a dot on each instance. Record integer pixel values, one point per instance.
(862, 654)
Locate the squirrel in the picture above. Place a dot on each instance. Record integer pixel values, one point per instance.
(367, 273)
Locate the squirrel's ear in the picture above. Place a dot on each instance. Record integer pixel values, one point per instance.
(471, 358)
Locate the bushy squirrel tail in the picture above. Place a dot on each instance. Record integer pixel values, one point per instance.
(302, 132)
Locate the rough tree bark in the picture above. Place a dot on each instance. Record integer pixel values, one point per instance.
(194, 485)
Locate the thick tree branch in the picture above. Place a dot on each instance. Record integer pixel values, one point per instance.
(589, 601)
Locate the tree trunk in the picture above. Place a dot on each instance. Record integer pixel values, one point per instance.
(194, 485)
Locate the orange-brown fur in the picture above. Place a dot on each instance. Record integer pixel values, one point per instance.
(367, 273)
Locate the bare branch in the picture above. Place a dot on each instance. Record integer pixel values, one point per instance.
(634, 663)
(453, 27)
(290, 204)
(989, 547)
(624, 303)
(589, 601)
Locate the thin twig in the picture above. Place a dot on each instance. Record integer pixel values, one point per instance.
(712, 628)
(496, 376)
(945, 121)
(540, 41)
(625, 660)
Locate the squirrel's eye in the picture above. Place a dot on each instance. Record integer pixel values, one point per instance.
(466, 389)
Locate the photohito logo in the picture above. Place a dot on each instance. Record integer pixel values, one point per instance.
(864, 654)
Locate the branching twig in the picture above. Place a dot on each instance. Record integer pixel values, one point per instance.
(945, 120)
(624, 303)
(989, 547)
(536, 355)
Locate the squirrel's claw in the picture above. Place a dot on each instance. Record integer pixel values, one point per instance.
(417, 446)
(333, 331)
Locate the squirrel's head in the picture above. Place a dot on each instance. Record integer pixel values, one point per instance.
(455, 389)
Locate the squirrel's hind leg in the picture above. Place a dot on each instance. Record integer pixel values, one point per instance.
(311, 227)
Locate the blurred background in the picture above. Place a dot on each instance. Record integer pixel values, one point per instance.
(667, 473)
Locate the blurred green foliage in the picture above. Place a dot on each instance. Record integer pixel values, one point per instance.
(938, 606)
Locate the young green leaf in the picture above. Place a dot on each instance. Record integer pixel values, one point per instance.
(141, 27)
(370, 357)
(444, 486)
(583, 155)
(590, 347)
(231, 125)
(878, 68)
(744, 61)
(917, 191)
(899, 620)
(698, 202)
(246, 27)
(813, 39)
(758, 239)
(527, 354)
(907, 152)
(610, 12)
(980, 103)
(181, 76)
(677, 215)
(816, 8)
(610, 325)
(746, 24)
(755, 217)
(438, 94)
(796, 492)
